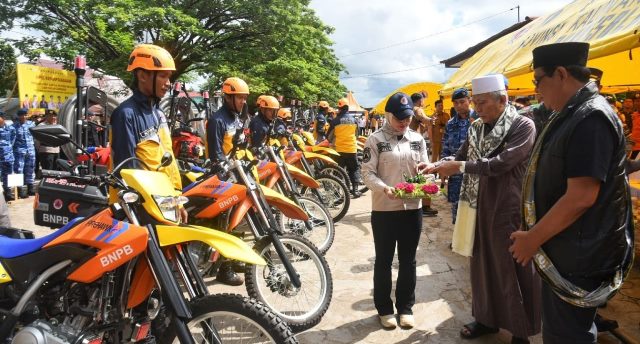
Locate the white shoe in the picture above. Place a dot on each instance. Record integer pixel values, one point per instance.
(388, 321)
(407, 321)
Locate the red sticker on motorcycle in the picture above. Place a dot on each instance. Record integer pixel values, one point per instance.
(57, 204)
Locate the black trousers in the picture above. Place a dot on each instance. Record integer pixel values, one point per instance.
(563, 322)
(48, 160)
(350, 162)
(390, 227)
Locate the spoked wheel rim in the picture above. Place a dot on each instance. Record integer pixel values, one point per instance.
(279, 294)
(232, 328)
(332, 196)
(321, 234)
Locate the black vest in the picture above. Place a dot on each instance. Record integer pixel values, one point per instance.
(601, 240)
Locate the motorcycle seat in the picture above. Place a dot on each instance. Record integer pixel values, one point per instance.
(11, 248)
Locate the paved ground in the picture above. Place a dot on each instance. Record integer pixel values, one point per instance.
(443, 297)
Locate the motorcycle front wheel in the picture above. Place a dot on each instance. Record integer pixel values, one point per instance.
(333, 194)
(237, 319)
(322, 230)
(302, 308)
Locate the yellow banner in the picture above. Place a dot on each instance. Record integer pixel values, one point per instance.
(612, 27)
(44, 88)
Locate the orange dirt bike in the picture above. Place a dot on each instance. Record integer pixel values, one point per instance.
(296, 283)
(320, 156)
(333, 192)
(274, 173)
(109, 278)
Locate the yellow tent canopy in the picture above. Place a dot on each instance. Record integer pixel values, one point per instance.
(612, 27)
(430, 88)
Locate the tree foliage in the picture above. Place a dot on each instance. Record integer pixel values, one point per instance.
(7, 68)
(279, 46)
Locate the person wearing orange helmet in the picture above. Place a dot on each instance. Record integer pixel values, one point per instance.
(221, 129)
(223, 124)
(138, 123)
(321, 120)
(343, 133)
(268, 107)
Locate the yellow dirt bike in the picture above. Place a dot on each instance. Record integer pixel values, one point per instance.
(109, 278)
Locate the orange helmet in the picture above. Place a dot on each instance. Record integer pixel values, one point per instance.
(323, 104)
(258, 100)
(343, 102)
(268, 102)
(284, 113)
(235, 85)
(150, 57)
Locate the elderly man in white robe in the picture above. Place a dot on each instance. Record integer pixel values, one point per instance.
(493, 159)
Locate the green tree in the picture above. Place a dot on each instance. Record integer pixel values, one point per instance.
(7, 68)
(278, 45)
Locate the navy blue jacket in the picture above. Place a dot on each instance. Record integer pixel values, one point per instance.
(221, 128)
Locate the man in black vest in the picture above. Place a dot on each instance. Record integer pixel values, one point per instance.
(576, 204)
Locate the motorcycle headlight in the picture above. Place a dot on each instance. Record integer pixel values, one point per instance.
(170, 206)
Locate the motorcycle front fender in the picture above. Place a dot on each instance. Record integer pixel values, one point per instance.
(285, 205)
(325, 150)
(228, 245)
(324, 158)
(302, 177)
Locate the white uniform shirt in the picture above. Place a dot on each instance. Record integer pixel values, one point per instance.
(385, 159)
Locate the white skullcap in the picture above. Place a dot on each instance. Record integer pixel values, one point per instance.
(488, 83)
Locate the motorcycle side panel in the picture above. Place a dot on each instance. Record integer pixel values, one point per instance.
(142, 284)
(239, 213)
(117, 242)
(228, 245)
(266, 169)
(285, 205)
(224, 195)
(291, 157)
(4, 275)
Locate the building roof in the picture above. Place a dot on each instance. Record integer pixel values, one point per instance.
(457, 60)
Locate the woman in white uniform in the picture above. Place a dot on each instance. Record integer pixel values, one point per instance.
(389, 153)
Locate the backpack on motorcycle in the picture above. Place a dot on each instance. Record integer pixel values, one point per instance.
(62, 198)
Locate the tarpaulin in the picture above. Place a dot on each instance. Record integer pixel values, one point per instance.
(353, 103)
(430, 88)
(612, 27)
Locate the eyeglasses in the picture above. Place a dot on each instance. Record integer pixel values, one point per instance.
(536, 81)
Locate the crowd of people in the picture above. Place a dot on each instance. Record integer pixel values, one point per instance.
(22, 154)
(34, 103)
(540, 199)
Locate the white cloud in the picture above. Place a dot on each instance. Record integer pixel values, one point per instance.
(370, 24)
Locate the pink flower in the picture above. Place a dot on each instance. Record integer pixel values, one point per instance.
(406, 187)
(430, 189)
(409, 187)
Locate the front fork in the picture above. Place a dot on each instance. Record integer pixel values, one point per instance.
(307, 167)
(265, 216)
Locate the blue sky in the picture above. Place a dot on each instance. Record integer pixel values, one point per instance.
(362, 25)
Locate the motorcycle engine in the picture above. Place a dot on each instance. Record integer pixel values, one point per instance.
(43, 332)
(68, 316)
